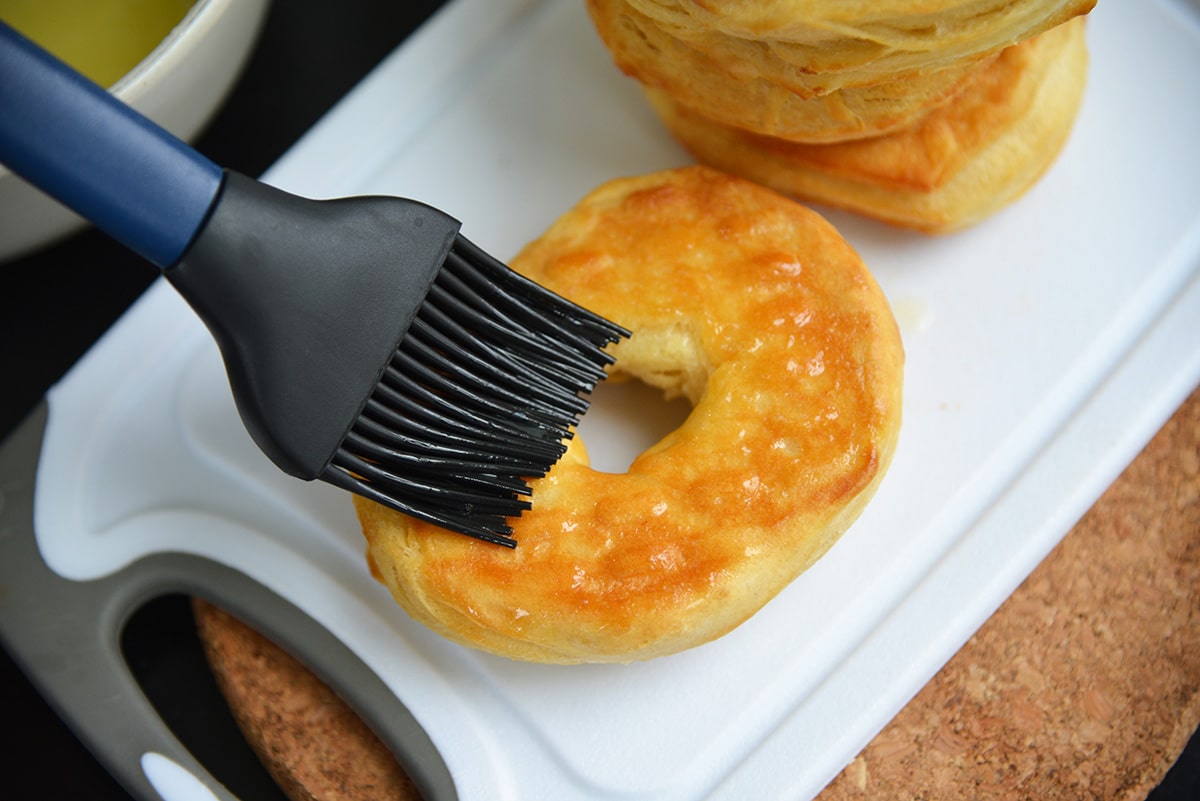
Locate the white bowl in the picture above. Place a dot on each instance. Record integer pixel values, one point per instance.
(180, 85)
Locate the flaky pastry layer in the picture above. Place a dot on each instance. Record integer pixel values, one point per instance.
(957, 165)
(855, 42)
(769, 96)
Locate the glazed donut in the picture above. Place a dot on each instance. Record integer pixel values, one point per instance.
(954, 167)
(757, 311)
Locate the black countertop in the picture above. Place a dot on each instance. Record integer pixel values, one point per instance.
(54, 304)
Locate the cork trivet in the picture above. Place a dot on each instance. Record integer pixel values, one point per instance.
(313, 745)
(1085, 684)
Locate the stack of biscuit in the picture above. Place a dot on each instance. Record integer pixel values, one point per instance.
(930, 114)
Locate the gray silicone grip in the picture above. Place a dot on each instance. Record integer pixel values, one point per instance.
(65, 635)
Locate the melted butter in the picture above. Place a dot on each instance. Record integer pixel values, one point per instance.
(103, 39)
(912, 315)
(816, 365)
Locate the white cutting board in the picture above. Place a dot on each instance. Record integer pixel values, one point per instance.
(1045, 347)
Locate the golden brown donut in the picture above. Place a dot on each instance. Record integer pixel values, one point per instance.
(859, 41)
(768, 97)
(960, 163)
(755, 309)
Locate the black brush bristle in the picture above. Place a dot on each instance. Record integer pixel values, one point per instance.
(478, 398)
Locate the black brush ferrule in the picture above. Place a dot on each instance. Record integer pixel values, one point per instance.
(302, 360)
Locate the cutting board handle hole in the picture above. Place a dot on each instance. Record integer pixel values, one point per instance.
(166, 658)
(626, 418)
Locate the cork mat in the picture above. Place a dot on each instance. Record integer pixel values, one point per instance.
(1084, 684)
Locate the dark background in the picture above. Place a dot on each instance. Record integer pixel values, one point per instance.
(55, 303)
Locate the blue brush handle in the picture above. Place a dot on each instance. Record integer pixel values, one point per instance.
(83, 147)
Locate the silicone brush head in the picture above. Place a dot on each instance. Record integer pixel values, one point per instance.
(370, 345)
(479, 396)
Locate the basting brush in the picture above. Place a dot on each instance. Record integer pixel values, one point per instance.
(367, 342)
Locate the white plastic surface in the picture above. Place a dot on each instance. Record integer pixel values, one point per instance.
(1045, 347)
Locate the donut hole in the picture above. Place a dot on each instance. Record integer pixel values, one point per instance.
(625, 418)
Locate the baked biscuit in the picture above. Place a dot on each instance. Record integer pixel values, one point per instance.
(768, 97)
(963, 161)
(755, 309)
(859, 41)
